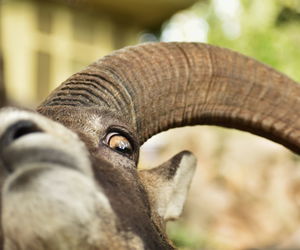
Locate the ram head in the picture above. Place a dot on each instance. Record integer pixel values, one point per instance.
(69, 171)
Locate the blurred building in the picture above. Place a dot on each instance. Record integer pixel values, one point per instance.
(44, 42)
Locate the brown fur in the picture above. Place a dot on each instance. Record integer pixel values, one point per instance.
(116, 174)
(141, 91)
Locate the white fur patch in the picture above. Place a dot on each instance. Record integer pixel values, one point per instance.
(46, 204)
(60, 206)
(180, 186)
(55, 136)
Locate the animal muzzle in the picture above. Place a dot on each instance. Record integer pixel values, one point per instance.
(27, 138)
(49, 192)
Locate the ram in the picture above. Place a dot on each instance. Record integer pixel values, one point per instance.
(69, 174)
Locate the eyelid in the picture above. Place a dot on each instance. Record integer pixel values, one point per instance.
(109, 135)
(116, 132)
(123, 132)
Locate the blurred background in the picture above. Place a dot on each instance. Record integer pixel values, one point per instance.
(246, 192)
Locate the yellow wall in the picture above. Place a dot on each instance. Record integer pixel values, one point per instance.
(43, 44)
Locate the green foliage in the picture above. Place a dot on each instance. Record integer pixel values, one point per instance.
(184, 239)
(268, 32)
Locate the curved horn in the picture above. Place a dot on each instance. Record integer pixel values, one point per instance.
(166, 85)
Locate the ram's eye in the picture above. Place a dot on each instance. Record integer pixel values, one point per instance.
(119, 142)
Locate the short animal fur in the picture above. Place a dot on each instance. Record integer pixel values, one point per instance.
(69, 171)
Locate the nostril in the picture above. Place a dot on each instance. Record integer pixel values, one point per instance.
(17, 130)
(24, 128)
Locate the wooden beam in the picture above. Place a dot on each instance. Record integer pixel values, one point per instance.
(143, 13)
(2, 87)
(3, 99)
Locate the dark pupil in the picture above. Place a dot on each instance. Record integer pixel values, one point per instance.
(123, 147)
(120, 144)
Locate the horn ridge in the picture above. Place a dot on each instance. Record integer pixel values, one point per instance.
(166, 85)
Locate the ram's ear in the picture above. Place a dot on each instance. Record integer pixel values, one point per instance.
(169, 183)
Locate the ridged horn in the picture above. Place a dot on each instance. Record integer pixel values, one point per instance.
(167, 85)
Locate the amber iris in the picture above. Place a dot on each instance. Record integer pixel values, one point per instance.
(120, 143)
